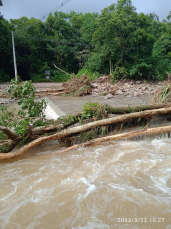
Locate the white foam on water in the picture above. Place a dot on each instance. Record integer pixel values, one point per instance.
(9, 211)
(67, 181)
(90, 189)
(94, 223)
(116, 186)
(50, 113)
(160, 183)
(130, 175)
(33, 224)
(41, 194)
(11, 193)
(40, 180)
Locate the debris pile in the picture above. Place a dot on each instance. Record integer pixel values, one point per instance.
(127, 88)
(102, 86)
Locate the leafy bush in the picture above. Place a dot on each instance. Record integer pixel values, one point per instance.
(7, 117)
(162, 56)
(141, 70)
(161, 67)
(95, 111)
(89, 73)
(119, 73)
(58, 76)
(26, 93)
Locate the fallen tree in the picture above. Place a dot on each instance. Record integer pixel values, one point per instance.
(20, 133)
(116, 137)
(82, 128)
(130, 109)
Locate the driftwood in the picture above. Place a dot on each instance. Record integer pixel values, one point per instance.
(128, 109)
(77, 86)
(61, 70)
(78, 129)
(127, 135)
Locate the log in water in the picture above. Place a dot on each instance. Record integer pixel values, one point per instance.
(125, 184)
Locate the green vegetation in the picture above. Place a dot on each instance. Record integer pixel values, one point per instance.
(30, 112)
(26, 93)
(119, 41)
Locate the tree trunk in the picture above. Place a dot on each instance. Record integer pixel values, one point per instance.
(9, 133)
(127, 135)
(78, 129)
(130, 109)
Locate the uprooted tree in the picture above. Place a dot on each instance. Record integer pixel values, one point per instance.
(20, 131)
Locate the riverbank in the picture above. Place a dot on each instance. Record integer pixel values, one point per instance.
(102, 90)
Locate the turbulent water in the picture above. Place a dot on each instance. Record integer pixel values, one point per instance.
(124, 184)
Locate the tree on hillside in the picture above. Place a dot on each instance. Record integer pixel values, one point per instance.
(84, 26)
(66, 40)
(6, 67)
(30, 52)
(113, 36)
(162, 55)
(125, 39)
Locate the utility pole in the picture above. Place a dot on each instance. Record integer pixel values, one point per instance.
(110, 66)
(14, 57)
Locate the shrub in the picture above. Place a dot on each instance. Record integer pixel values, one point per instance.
(92, 75)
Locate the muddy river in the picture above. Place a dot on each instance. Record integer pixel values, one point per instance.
(123, 184)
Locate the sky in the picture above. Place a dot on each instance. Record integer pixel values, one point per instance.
(38, 8)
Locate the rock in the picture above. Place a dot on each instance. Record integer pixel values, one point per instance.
(138, 82)
(109, 96)
(103, 88)
(94, 85)
(136, 94)
(127, 85)
(148, 92)
(103, 77)
(144, 88)
(119, 92)
(153, 92)
(96, 90)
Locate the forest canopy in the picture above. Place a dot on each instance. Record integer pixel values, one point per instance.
(119, 41)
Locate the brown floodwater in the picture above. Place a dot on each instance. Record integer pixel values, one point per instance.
(124, 184)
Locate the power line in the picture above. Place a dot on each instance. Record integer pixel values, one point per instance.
(56, 8)
(90, 5)
(44, 17)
